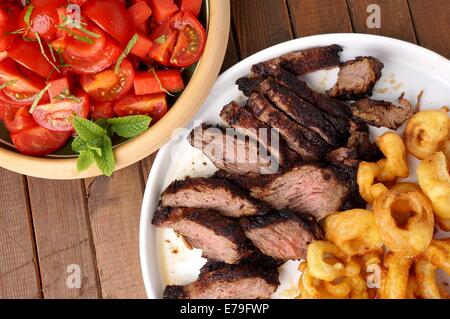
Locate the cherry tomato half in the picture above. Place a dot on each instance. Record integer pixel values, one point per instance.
(101, 110)
(164, 38)
(107, 86)
(39, 141)
(153, 105)
(89, 46)
(18, 119)
(58, 116)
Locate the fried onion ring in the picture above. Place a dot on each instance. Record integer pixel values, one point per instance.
(394, 281)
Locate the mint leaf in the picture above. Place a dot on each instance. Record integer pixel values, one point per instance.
(125, 52)
(106, 161)
(130, 126)
(78, 145)
(97, 150)
(85, 160)
(87, 130)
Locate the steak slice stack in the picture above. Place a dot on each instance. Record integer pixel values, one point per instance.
(218, 237)
(282, 235)
(222, 281)
(212, 193)
(357, 78)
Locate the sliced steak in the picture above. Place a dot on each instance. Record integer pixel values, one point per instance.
(365, 149)
(301, 111)
(281, 235)
(357, 78)
(222, 281)
(343, 156)
(385, 114)
(308, 144)
(308, 188)
(212, 193)
(310, 60)
(248, 84)
(228, 149)
(218, 237)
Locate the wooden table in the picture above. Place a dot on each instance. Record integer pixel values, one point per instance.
(45, 226)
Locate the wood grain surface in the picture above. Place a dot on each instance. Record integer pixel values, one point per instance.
(46, 226)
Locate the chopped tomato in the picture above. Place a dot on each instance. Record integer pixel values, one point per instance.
(8, 23)
(38, 141)
(192, 6)
(142, 46)
(29, 55)
(18, 119)
(139, 13)
(165, 80)
(2, 111)
(101, 110)
(97, 63)
(163, 9)
(59, 116)
(111, 16)
(190, 43)
(108, 86)
(154, 105)
(58, 87)
(164, 38)
(79, 2)
(21, 89)
(44, 19)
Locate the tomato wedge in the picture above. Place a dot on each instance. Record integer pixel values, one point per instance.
(39, 141)
(139, 13)
(164, 38)
(163, 9)
(18, 119)
(58, 116)
(58, 87)
(190, 43)
(154, 105)
(111, 16)
(22, 88)
(192, 6)
(29, 55)
(8, 23)
(165, 80)
(2, 111)
(101, 110)
(78, 44)
(108, 86)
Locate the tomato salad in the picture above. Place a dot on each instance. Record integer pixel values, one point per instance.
(90, 59)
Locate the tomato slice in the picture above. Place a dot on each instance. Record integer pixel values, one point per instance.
(111, 16)
(153, 105)
(164, 38)
(23, 88)
(18, 119)
(2, 111)
(102, 110)
(57, 87)
(163, 9)
(192, 6)
(190, 43)
(58, 116)
(97, 63)
(8, 23)
(39, 141)
(79, 44)
(108, 86)
(165, 80)
(29, 55)
(44, 19)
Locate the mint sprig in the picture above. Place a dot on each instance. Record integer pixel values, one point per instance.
(93, 140)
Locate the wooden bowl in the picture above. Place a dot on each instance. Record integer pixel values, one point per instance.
(180, 114)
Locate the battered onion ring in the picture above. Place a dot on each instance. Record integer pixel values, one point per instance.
(310, 287)
(354, 232)
(412, 289)
(394, 282)
(426, 279)
(438, 253)
(444, 224)
(416, 235)
(317, 264)
(395, 164)
(367, 172)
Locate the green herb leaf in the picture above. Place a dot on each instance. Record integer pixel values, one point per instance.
(7, 83)
(66, 95)
(106, 163)
(85, 160)
(130, 126)
(152, 69)
(97, 150)
(27, 16)
(89, 33)
(39, 97)
(161, 39)
(87, 130)
(78, 145)
(18, 31)
(125, 52)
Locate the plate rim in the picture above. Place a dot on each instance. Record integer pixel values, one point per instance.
(145, 229)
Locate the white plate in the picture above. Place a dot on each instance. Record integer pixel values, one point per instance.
(408, 68)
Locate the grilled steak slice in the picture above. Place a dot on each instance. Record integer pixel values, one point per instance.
(232, 151)
(357, 78)
(343, 156)
(308, 144)
(212, 193)
(248, 84)
(365, 149)
(301, 111)
(222, 281)
(310, 60)
(308, 188)
(385, 114)
(281, 235)
(218, 237)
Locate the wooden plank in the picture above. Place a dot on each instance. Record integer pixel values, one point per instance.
(114, 206)
(260, 24)
(395, 18)
(19, 273)
(317, 17)
(62, 238)
(432, 24)
(147, 166)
